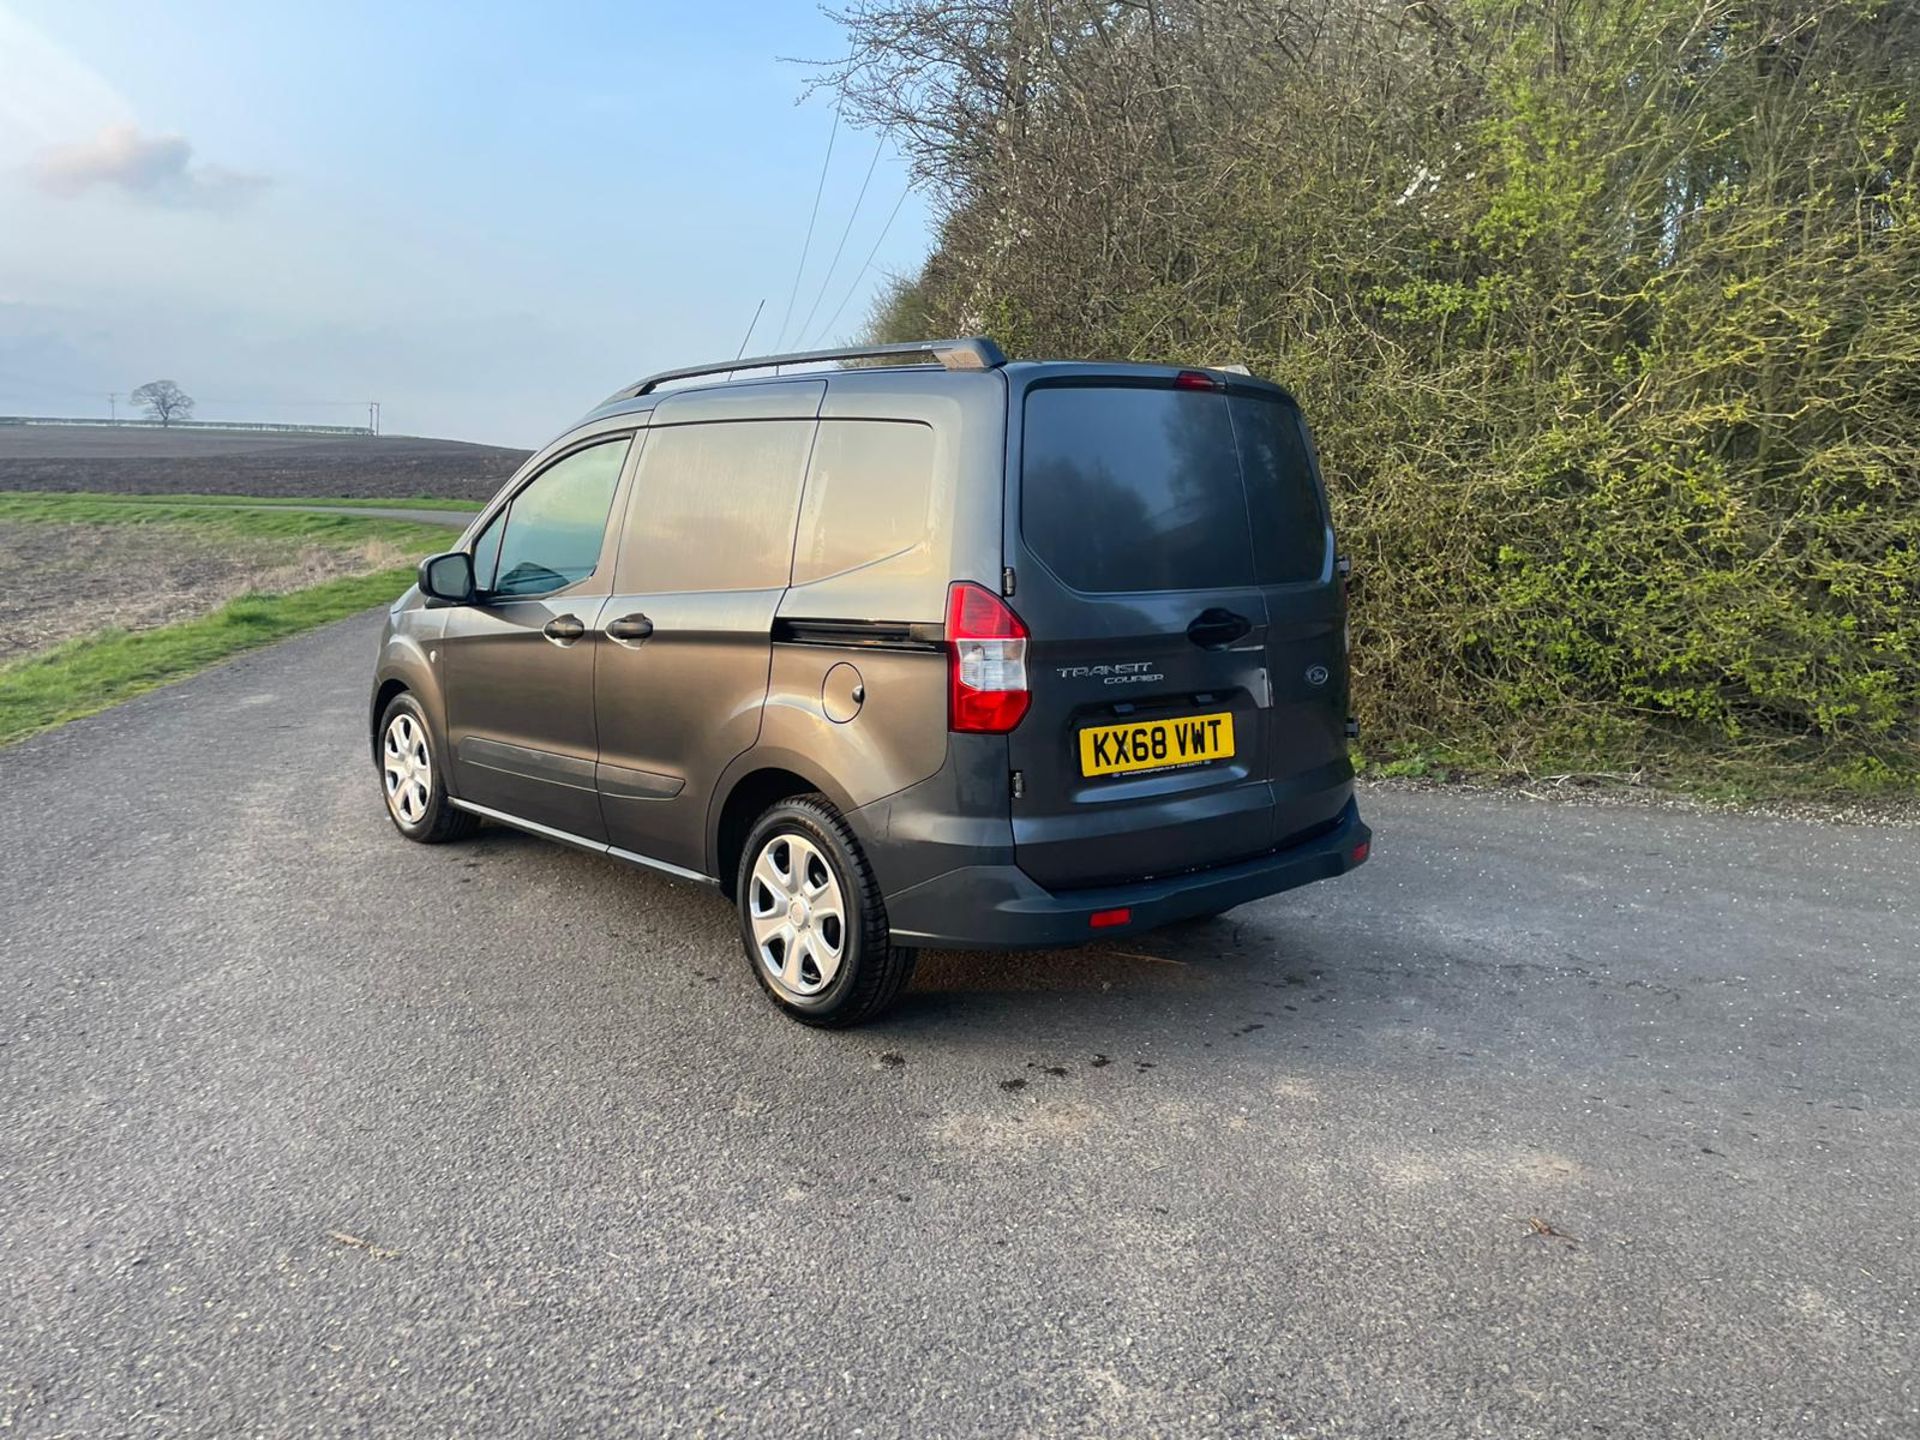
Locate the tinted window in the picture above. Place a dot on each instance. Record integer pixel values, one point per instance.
(486, 552)
(713, 507)
(1289, 528)
(868, 492)
(1134, 489)
(555, 525)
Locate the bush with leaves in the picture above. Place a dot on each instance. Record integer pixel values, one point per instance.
(1607, 313)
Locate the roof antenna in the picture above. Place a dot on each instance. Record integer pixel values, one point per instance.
(750, 324)
(749, 335)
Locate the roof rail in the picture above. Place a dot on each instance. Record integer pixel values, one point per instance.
(974, 353)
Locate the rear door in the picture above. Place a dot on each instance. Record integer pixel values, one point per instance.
(1161, 728)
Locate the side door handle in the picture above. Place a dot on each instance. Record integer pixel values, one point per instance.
(630, 627)
(1215, 629)
(564, 629)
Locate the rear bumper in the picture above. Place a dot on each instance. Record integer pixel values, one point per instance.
(1001, 907)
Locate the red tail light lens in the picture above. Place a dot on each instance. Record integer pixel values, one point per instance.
(986, 662)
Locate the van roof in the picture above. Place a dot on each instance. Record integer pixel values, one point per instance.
(970, 355)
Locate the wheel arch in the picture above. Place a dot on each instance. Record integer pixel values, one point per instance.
(405, 668)
(383, 696)
(754, 782)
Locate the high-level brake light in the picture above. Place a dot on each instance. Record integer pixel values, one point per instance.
(986, 662)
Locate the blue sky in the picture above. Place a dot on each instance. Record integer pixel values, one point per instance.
(487, 216)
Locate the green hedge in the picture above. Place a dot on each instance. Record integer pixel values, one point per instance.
(1607, 316)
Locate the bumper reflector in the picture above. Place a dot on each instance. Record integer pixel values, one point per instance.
(1361, 851)
(1105, 919)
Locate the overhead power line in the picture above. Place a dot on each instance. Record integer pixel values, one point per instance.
(270, 403)
(807, 244)
(866, 265)
(28, 383)
(846, 230)
(113, 397)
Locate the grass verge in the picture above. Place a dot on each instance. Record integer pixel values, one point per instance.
(85, 676)
(90, 673)
(277, 523)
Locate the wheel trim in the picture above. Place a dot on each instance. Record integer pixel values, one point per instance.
(406, 769)
(797, 914)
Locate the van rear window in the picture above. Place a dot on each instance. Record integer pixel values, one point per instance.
(1134, 489)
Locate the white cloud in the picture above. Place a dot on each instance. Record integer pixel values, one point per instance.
(47, 93)
(158, 169)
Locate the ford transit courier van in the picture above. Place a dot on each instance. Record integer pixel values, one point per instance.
(897, 647)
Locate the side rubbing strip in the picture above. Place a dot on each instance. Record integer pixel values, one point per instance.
(527, 763)
(623, 784)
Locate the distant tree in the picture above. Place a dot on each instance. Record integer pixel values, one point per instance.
(163, 401)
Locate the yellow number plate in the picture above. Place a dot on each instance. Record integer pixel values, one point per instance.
(1156, 744)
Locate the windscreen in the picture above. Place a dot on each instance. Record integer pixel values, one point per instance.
(1126, 488)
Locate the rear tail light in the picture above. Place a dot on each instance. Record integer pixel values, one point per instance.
(1196, 380)
(986, 662)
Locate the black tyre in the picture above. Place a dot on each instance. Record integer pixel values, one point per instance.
(410, 778)
(812, 920)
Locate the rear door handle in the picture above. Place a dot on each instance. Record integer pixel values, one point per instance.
(564, 629)
(1215, 629)
(630, 627)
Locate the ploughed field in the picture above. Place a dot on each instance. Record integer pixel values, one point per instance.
(109, 595)
(74, 580)
(227, 462)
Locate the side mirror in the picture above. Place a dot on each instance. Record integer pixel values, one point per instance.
(448, 577)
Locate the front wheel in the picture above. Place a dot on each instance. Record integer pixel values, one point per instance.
(416, 794)
(812, 920)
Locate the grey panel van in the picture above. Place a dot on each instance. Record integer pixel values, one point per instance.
(897, 647)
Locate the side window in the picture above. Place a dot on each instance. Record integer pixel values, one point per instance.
(555, 525)
(713, 507)
(486, 552)
(868, 492)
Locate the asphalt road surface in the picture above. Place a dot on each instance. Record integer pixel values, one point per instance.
(1552, 1121)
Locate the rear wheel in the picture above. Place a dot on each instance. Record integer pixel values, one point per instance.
(812, 920)
(410, 778)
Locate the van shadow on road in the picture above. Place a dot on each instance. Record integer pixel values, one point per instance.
(1187, 988)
